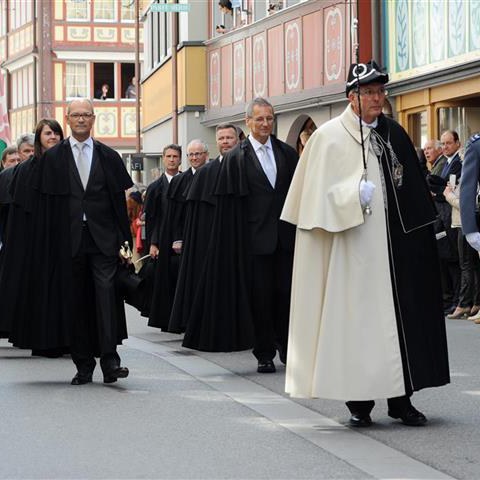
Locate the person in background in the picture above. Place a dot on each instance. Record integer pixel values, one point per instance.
(104, 92)
(10, 157)
(433, 153)
(25, 145)
(131, 91)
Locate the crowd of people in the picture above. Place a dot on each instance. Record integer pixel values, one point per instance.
(343, 262)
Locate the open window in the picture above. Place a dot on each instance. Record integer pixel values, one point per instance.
(104, 81)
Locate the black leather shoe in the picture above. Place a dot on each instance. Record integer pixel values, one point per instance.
(357, 420)
(81, 379)
(411, 416)
(115, 374)
(266, 366)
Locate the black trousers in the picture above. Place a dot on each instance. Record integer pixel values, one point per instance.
(450, 279)
(94, 330)
(470, 273)
(271, 286)
(364, 407)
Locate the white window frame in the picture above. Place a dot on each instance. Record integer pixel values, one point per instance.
(87, 79)
(78, 2)
(115, 4)
(124, 2)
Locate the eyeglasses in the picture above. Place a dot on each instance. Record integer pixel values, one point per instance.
(261, 120)
(76, 116)
(196, 154)
(369, 92)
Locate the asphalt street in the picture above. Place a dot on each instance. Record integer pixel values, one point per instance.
(183, 414)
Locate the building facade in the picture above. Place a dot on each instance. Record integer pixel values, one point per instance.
(53, 51)
(432, 51)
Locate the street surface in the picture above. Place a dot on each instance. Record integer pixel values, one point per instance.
(183, 414)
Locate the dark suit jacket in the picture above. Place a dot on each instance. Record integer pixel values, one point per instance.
(265, 203)
(155, 209)
(455, 168)
(469, 190)
(103, 201)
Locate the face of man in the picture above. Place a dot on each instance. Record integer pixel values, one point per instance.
(11, 159)
(197, 155)
(25, 151)
(227, 138)
(80, 119)
(261, 122)
(431, 152)
(171, 161)
(372, 99)
(449, 145)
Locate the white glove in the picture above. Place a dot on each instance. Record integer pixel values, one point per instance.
(366, 192)
(474, 240)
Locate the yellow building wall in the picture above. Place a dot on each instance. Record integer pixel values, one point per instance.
(192, 76)
(157, 95)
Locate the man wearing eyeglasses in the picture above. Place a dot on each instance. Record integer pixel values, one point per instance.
(366, 319)
(171, 237)
(83, 223)
(252, 250)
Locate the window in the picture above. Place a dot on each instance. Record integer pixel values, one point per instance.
(128, 84)
(3, 18)
(465, 120)
(128, 11)
(76, 81)
(259, 9)
(77, 10)
(417, 128)
(104, 81)
(20, 13)
(21, 82)
(104, 10)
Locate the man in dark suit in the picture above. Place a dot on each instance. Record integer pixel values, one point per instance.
(248, 272)
(167, 237)
(449, 264)
(86, 183)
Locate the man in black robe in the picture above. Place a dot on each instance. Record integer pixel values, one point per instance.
(81, 222)
(247, 275)
(168, 235)
(198, 226)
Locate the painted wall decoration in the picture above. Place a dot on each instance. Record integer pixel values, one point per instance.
(259, 65)
(424, 36)
(293, 56)
(214, 76)
(333, 42)
(238, 73)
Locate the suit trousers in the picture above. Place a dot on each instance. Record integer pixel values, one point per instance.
(470, 273)
(270, 294)
(364, 407)
(94, 283)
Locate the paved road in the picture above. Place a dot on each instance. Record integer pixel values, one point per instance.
(191, 415)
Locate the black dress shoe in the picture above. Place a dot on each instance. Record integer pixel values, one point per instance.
(266, 366)
(360, 420)
(81, 379)
(115, 374)
(411, 416)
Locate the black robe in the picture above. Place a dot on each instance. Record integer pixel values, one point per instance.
(414, 266)
(200, 207)
(40, 192)
(168, 229)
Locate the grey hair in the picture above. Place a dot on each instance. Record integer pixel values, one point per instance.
(201, 142)
(9, 151)
(437, 144)
(26, 138)
(80, 100)
(259, 101)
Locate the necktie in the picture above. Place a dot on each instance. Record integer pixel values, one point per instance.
(268, 164)
(82, 165)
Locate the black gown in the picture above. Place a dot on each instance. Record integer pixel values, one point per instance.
(167, 263)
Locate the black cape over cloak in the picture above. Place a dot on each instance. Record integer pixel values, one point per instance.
(200, 208)
(167, 263)
(414, 266)
(41, 192)
(220, 317)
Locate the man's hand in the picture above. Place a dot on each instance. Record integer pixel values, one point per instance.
(177, 246)
(474, 240)
(366, 192)
(154, 251)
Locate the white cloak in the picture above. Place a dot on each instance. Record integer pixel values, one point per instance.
(343, 342)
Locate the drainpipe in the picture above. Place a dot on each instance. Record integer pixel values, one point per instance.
(174, 77)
